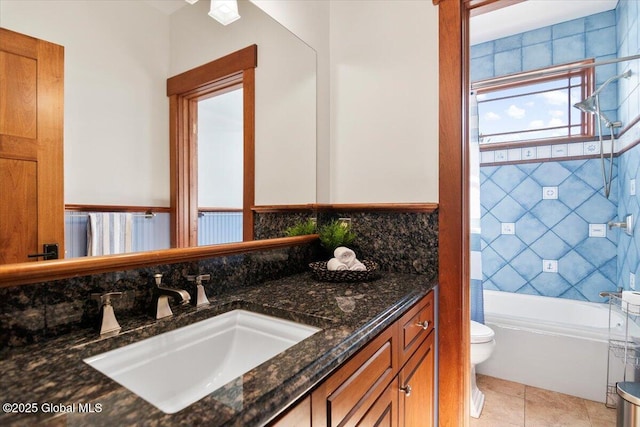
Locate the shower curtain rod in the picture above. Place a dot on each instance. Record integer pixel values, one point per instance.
(549, 72)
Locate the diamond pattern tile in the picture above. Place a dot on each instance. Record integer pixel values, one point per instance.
(528, 290)
(550, 174)
(490, 194)
(574, 191)
(550, 229)
(597, 209)
(529, 229)
(573, 293)
(572, 229)
(508, 246)
(597, 251)
(509, 279)
(508, 210)
(594, 284)
(550, 246)
(591, 174)
(550, 212)
(559, 228)
(508, 177)
(550, 284)
(525, 193)
(574, 267)
(491, 228)
(527, 264)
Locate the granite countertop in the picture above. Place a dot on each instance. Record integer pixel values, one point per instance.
(52, 375)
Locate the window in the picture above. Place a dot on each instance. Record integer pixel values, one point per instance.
(534, 108)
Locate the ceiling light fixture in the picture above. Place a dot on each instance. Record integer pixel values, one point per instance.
(223, 11)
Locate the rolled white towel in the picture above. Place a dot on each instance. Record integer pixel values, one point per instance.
(334, 264)
(345, 255)
(358, 266)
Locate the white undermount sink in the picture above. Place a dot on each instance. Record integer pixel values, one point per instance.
(175, 369)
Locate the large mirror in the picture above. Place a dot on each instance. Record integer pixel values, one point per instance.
(118, 57)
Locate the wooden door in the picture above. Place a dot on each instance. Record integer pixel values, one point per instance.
(31, 146)
(416, 387)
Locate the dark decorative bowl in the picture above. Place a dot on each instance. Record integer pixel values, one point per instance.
(321, 273)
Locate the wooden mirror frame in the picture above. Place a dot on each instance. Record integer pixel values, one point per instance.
(184, 91)
(242, 62)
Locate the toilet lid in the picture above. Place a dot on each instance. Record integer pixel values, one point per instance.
(480, 333)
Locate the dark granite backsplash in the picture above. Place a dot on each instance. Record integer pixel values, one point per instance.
(270, 225)
(40, 311)
(398, 242)
(402, 242)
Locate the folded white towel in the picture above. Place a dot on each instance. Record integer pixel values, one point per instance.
(345, 255)
(334, 264)
(358, 266)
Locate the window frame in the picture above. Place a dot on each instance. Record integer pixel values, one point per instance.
(582, 68)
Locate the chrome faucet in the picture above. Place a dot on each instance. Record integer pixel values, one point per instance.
(607, 294)
(161, 296)
(201, 296)
(109, 325)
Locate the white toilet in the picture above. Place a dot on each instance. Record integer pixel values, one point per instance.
(482, 344)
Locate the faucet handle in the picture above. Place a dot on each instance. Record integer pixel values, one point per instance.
(199, 278)
(105, 299)
(201, 296)
(109, 325)
(158, 277)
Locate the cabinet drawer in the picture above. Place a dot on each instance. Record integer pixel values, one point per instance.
(346, 396)
(415, 326)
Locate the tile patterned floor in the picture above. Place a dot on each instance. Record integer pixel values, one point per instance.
(510, 404)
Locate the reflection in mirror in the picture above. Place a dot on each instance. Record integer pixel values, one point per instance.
(115, 106)
(220, 159)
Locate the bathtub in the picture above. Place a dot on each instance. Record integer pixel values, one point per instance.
(552, 343)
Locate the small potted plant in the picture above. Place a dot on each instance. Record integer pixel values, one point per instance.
(335, 234)
(301, 228)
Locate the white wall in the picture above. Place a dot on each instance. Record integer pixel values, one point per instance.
(116, 120)
(376, 107)
(384, 101)
(285, 93)
(309, 20)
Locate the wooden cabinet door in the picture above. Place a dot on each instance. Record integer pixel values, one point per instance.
(347, 395)
(31, 145)
(384, 412)
(298, 416)
(416, 387)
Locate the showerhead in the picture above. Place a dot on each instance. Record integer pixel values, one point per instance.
(591, 103)
(588, 105)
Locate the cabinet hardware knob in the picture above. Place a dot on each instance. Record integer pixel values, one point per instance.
(406, 390)
(424, 325)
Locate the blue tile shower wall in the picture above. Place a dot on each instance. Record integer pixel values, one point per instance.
(629, 94)
(548, 229)
(629, 203)
(556, 228)
(593, 36)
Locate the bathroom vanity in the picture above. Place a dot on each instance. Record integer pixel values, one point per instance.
(372, 359)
